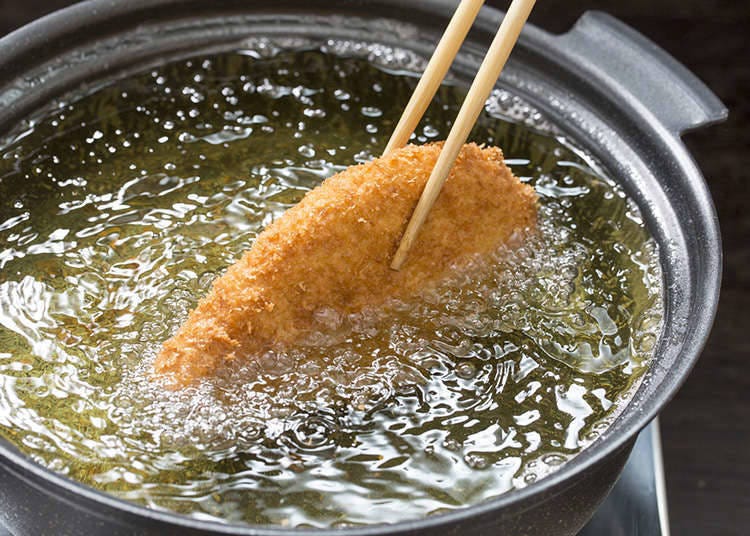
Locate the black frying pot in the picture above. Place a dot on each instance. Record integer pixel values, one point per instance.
(614, 92)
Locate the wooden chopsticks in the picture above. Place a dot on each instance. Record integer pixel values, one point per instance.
(434, 73)
(480, 89)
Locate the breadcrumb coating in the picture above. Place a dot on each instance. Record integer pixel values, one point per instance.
(332, 250)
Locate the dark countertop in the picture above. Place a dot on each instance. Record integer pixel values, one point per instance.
(706, 431)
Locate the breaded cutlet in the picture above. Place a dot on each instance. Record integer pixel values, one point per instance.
(333, 249)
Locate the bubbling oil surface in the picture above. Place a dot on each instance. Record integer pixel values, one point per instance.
(119, 208)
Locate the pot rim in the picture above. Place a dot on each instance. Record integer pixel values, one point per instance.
(36, 34)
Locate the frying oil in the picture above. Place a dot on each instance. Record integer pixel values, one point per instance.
(119, 208)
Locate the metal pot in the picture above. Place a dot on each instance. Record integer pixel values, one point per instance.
(607, 87)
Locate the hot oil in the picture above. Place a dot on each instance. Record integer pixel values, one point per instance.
(118, 210)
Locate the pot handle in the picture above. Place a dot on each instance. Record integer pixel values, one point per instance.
(640, 72)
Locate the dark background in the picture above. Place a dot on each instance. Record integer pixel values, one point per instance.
(706, 429)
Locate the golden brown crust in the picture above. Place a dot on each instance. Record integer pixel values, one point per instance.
(333, 250)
